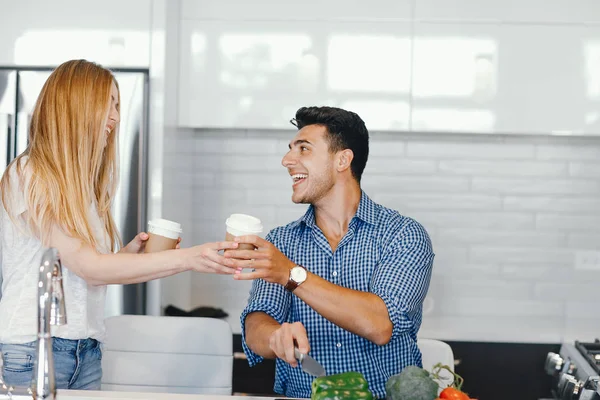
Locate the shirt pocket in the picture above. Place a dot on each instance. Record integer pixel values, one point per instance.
(17, 362)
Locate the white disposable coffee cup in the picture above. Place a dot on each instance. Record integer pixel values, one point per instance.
(162, 235)
(241, 225)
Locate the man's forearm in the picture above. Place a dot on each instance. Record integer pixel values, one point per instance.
(361, 313)
(259, 327)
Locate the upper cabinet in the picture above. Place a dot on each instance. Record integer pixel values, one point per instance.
(286, 10)
(485, 66)
(454, 80)
(522, 11)
(548, 79)
(506, 78)
(252, 66)
(256, 74)
(114, 33)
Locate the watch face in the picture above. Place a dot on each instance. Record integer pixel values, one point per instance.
(298, 274)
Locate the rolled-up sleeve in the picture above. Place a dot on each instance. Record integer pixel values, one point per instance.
(269, 298)
(402, 277)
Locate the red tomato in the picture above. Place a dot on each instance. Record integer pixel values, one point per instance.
(451, 393)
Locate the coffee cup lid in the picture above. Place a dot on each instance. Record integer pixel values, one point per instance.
(244, 223)
(165, 224)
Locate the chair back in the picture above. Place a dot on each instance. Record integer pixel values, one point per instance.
(145, 353)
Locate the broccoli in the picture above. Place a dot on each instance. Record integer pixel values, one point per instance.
(413, 383)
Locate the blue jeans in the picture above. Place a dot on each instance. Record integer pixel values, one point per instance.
(77, 363)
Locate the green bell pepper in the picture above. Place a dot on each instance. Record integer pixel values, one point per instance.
(347, 385)
(340, 394)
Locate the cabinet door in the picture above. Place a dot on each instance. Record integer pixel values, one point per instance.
(368, 71)
(244, 74)
(114, 33)
(506, 78)
(256, 74)
(307, 10)
(528, 11)
(549, 79)
(454, 86)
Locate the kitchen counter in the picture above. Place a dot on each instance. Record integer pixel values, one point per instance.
(112, 395)
(106, 394)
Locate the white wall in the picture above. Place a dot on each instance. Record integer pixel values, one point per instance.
(507, 215)
(511, 218)
(514, 218)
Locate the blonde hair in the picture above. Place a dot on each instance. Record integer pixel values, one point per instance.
(68, 164)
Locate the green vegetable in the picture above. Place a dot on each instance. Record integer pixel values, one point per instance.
(348, 385)
(345, 381)
(413, 383)
(337, 394)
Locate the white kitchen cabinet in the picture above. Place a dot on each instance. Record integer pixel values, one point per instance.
(454, 81)
(506, 78)
(256, 74)
(529, 11)
(527, 67)
(548, 79)
(291, 10)
(111, 32)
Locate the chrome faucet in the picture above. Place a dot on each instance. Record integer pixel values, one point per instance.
(51, 311)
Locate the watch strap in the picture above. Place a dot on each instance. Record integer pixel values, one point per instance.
(291, 284)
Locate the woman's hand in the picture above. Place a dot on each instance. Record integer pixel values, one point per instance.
(138, 244)
(206, 258)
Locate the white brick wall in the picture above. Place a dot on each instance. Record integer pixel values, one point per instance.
(506, 215)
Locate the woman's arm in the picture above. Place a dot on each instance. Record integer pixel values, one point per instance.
(126, 268)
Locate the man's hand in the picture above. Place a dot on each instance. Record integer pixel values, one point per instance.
(266, 261)
(138, 244)
(282, 342)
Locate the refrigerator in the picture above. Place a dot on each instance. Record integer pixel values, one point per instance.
(19, 89)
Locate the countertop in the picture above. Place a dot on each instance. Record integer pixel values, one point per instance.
(113, 395)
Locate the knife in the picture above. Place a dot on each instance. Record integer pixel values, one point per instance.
(309, 364)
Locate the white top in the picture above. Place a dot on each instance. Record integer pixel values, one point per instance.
(21, 257)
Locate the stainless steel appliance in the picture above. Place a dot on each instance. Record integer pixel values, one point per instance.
(576, 371)
(19, 89)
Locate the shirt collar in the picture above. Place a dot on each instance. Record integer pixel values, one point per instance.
(367, 209)
(366, 212)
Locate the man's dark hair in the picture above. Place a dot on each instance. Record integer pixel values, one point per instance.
(345, 130)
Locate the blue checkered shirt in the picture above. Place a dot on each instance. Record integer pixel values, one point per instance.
(383, 253)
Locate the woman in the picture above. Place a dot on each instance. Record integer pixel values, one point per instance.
(58, 193)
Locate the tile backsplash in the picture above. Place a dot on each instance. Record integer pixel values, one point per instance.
(514, 220)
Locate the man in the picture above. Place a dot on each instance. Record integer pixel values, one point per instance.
(346, 282)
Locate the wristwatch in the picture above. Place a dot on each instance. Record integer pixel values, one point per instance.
(298, 275)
